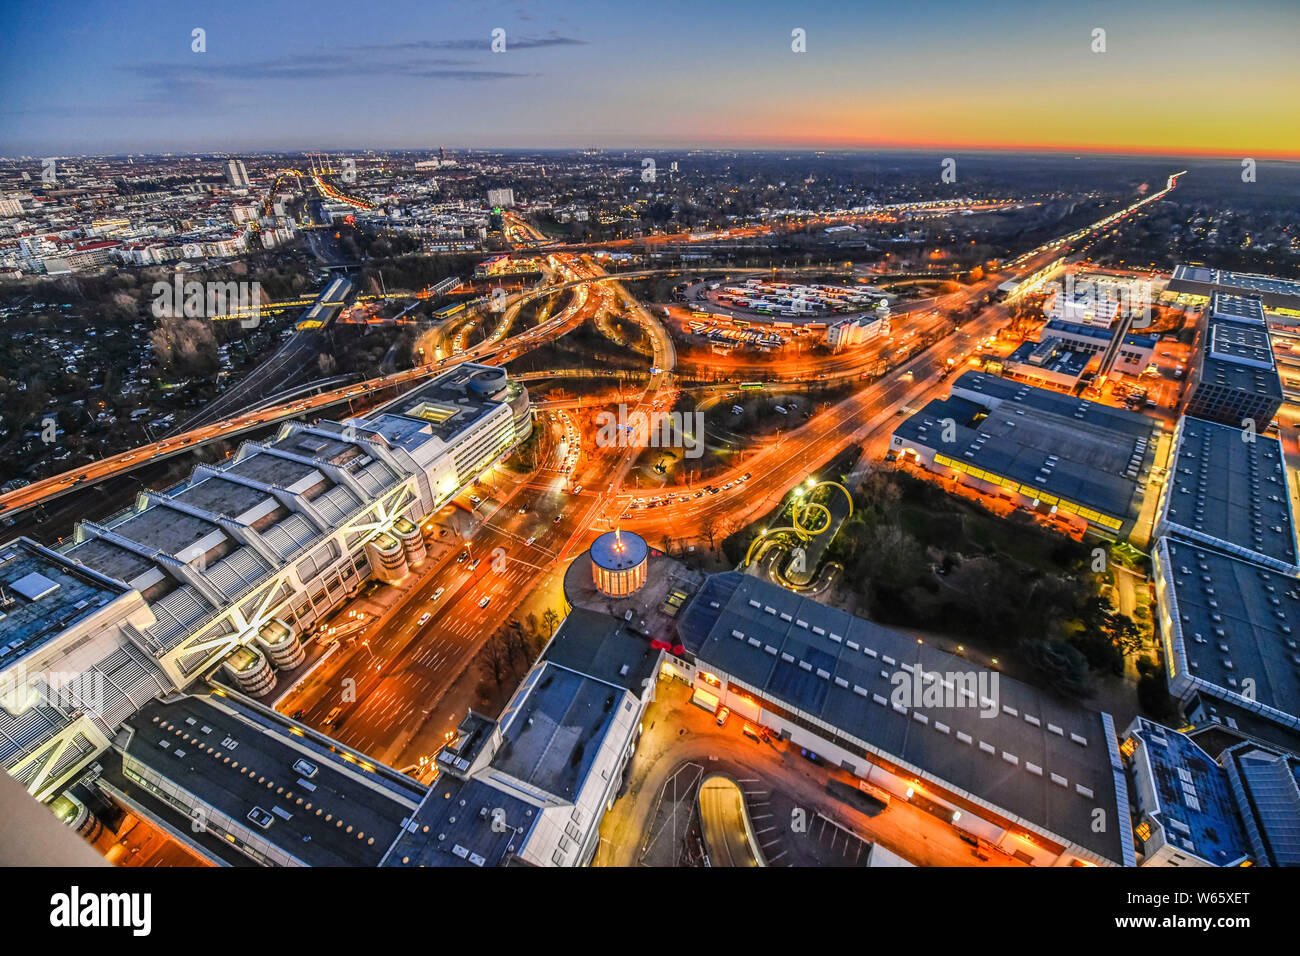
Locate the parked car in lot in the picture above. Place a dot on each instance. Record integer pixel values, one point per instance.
(260, 818)
(723, 714)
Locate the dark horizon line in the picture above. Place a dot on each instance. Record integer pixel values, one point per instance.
(646, 150)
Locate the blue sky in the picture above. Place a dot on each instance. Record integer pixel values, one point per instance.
(121, 76)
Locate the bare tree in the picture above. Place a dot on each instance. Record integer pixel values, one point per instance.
(551, 619)
(495, 659)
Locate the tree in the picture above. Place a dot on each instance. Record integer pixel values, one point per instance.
(1060, 664)
(495, 659)
(551, 619)
(709, 526)
(518, 644)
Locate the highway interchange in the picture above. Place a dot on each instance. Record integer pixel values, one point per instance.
(489, 554)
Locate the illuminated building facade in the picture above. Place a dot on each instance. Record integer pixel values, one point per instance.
(618, 563)
(1047, 451)
(243, 557)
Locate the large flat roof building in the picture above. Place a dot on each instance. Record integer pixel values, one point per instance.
(1235, 379)
(1005, 761)
(242, 557)
(1228, 490)
(1272, 292)
(1039, 447)
(532, 786)
(277, 797)
(1230, 629)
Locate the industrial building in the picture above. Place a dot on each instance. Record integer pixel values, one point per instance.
(1050, 361)
(1190, 809)
(1132, 354)
(1229, 494)
(1272, 292)
(1001, 761)
(1235, 379)
(1041, 449)
(231, 567)
(1229, 628)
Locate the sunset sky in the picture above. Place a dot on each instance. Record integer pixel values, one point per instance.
(1176, 78)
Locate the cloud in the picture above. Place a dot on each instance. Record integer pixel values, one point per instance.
(482, 45)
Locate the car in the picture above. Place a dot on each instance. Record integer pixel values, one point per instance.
(260, 818)
(464, 556)
(476, 499)
(577, 490)
(475, 563)
(530, 541)
(305, 768)
(556, 519)
(698, 494)
(522, 511)
(437, 594)
(723, 714)
(424, 619)
(333, 715)
(485, 602)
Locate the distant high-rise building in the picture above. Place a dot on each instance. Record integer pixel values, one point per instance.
(502, 198)
(236, 174)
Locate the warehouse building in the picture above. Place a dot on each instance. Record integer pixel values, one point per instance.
(996, 758)
(1040, 449)
(1229, 494)
(1235, 380)
(1273, 293)
(1229, 628)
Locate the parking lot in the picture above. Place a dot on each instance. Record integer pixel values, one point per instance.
(793, 808)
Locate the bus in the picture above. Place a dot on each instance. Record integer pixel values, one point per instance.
(751, 384)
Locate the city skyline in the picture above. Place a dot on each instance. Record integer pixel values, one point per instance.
(934, 75)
